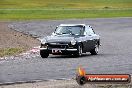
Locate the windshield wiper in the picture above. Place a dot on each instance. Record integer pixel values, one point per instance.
(64, 33)
(58, 33)
(69, 33)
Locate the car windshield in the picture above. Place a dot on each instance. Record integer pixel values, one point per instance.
(74, 30)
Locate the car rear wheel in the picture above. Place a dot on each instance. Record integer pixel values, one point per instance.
(95, 50)
(44, 54)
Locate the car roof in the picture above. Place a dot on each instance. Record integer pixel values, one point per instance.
(73, 25)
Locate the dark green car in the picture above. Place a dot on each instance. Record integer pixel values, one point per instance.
(70, 39)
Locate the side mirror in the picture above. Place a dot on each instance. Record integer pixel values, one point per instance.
(53, 33)
(56, 27)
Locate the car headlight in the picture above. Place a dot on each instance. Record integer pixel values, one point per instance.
(73, 41)
(43, 41)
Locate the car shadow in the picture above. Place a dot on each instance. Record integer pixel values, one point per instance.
(83, 56)
(68, 56)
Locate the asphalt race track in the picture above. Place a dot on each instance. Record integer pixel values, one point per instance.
(115, 55)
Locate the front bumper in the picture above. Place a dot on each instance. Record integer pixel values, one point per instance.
(60, 51)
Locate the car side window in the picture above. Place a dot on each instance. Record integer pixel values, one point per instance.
(88, 31)
(91, 31)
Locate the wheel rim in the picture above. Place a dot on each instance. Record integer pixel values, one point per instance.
(80, 50)
(97, 49)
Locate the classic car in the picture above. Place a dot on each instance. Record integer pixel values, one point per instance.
(70, 39)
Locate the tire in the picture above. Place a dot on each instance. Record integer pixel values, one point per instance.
(95, 50)
(44, 54)
(79, 51)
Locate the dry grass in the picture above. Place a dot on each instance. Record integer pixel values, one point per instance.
(10, 51)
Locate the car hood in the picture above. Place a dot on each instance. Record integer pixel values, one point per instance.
(59, 38)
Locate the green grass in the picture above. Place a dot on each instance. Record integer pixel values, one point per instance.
(61, 14)
(10, 51)
(65, 3)
(63, 9)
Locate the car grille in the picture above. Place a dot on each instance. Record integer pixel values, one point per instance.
(57, 45)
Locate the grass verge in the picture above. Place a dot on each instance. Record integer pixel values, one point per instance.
(63, 9)
(10, 51)
(81, 4)
(29, 14)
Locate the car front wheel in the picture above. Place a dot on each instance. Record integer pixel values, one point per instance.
(95, 50)
(44, 54)
(79, 52)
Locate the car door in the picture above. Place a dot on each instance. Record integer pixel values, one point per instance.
(90, 40)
